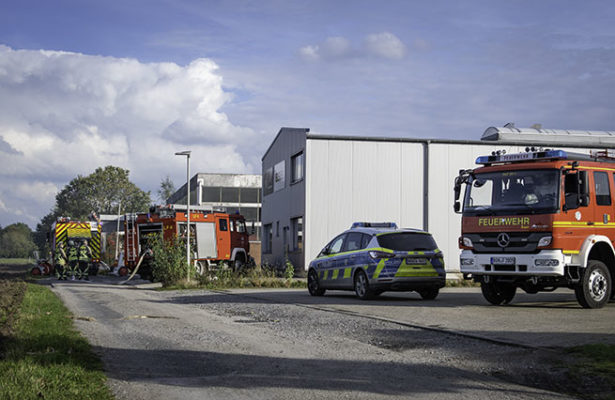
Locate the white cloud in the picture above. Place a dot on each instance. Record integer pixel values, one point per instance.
(64, 114)
(381, 45)
(385, 45)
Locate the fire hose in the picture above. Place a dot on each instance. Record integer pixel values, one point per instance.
(134, 271)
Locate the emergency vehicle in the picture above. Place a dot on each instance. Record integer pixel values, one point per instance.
(539, 220)
(373, 257)
(216, 238)
(65, 230)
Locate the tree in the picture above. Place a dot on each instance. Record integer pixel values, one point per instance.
(167, 188)
(100, 192)
(16, 241)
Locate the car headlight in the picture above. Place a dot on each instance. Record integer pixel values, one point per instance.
(465, 242)
(545, 241)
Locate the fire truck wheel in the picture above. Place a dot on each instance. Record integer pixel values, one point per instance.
(314, 285)
(498, 293)
(123, 271)
(238, 264)
(595, 286)
(35, 271)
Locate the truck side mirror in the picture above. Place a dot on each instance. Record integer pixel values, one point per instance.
(457, 206)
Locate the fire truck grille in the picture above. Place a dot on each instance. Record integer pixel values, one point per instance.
(519, 242)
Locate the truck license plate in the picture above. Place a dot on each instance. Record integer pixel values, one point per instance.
(503, 260)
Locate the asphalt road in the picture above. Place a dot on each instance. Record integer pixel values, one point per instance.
(284, 344)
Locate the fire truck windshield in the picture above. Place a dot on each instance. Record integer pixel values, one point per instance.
(513, 192)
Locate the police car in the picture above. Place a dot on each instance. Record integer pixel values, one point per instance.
(371, 258)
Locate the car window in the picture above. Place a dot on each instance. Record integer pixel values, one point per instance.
(353, 241)
(365, 240)
(336, 244)
(407, 241)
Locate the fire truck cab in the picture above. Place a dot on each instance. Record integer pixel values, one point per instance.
(216, 238)
(539, 220)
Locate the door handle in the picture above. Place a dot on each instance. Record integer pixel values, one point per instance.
(590, 222)
(605, 218)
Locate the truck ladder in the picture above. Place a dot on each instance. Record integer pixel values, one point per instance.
(130, 251)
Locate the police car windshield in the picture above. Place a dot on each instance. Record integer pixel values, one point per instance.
(407, 241)
(513, 192)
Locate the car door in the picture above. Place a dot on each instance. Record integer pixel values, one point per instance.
(331, 256)
(351, 258)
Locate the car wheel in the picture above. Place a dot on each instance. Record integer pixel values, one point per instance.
(361, 286)
(314, 285)
(593, 291)
(429, 293)
(498, 293)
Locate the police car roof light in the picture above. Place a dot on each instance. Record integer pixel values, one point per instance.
(374, 225)
(518, 157)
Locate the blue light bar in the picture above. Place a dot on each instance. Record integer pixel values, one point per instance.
(374, 225)
(519, 157)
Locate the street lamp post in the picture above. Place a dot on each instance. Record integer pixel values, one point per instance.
(187, 154)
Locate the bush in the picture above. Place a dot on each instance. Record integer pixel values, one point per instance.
(169, 261)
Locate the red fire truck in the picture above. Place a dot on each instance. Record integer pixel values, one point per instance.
(216, 238)
(539, 220)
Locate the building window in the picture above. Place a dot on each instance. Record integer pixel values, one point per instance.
(279, 176)
(296, 165)
(277, 229)
(249, 213)
(267, 238)
(211, 194)
(249, 195)
(268, 181)
(297, 232)
(230, 195)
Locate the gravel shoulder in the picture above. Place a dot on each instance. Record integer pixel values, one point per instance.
(203, 344)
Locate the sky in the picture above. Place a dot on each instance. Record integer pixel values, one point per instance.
(85, 84)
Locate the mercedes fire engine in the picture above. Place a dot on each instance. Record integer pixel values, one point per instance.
(539, 220)
(216, 238)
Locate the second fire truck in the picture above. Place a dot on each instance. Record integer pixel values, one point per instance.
(216, 238)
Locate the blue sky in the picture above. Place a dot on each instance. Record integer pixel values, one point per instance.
(129, 83)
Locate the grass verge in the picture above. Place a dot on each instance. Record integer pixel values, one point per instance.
(45, 357)
(16, 261)
(594, 369)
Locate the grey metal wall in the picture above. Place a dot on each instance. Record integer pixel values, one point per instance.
(281, 206)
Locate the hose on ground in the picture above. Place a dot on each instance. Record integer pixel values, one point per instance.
(134, 271)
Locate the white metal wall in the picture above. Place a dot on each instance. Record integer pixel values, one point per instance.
(349, 181)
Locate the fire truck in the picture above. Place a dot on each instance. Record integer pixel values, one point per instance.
(216, 238)
(537, 221)
(65, 230)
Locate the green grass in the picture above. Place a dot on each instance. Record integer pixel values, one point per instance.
(597, 360)
(17, 261)
(45, 357)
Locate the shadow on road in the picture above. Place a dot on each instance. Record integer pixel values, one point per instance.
(241, 371)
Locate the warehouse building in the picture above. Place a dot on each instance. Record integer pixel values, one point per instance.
(232, 193)
(316, 186)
